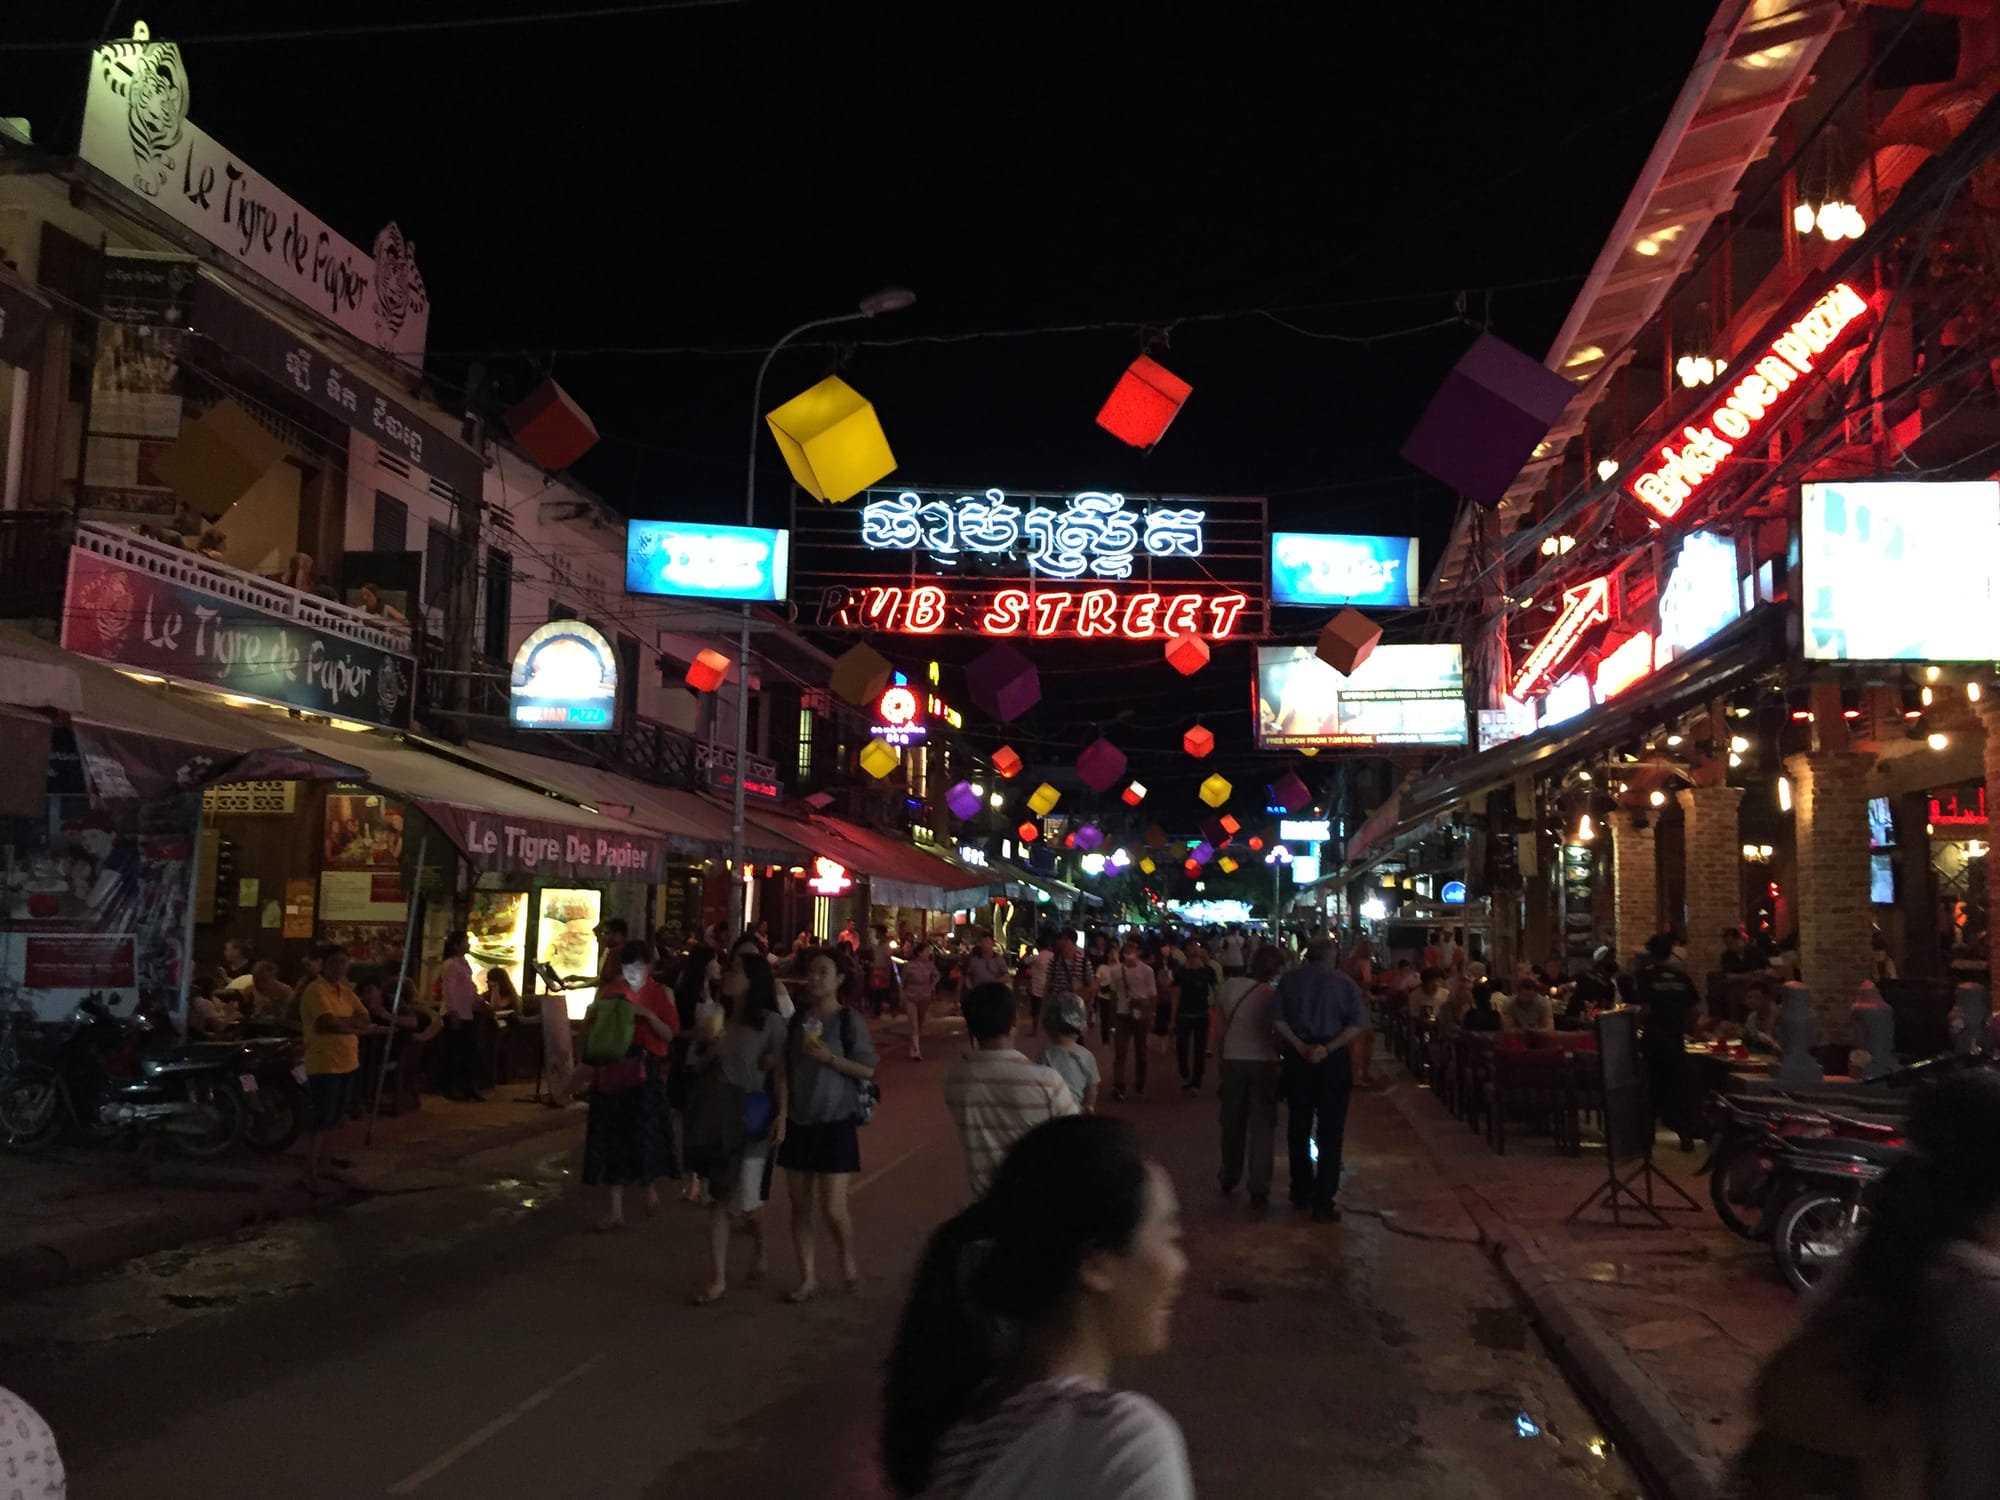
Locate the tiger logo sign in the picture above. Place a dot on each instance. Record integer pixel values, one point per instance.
(152, 80)
(399, 285)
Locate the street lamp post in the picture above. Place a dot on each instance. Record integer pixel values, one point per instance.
(889, 299)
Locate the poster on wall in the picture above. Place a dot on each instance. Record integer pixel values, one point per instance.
(362, 896)
(1410, 694)
(363, 831)
(1900, 570)
(135, 388)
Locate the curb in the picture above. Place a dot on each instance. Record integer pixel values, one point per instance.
(62, 1257)
(1647, 1426)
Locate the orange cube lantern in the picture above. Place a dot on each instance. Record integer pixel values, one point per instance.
(1229, 825)
(1144, 403)
(1006, 764)
(1028, 833)
(1198, 742)
(708, 671)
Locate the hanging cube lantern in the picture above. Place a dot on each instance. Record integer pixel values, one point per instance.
(1215, 791)
(1101, 764)
(1028, 833)
(831, 440)
(859, 674)
(1193, 867)
(1146, 865)
(1003, 682)
(1214, 832)
(1187, 654)
(1006, 764)
(879, 758)
(1198, 742)
(1156, 837)
(963, 801)
(1144, 403)
(1044, 800)
(1202, 853)
(548, 423)
(1089, 838)
(1290, 793)
(1134, 794)
(1228, 865)
(1230, 825)
(708, 671)
(1256, 842)
(1349, 639)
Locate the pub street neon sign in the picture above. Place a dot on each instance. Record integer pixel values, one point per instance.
(1041, 613)
(1093, 533)
(1746, 410)
(1584, 605)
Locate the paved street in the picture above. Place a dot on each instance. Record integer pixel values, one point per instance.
(477, 1340)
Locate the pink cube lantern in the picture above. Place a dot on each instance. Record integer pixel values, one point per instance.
(1003, 682)
(1101, 764)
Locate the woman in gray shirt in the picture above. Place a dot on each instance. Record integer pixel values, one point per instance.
(829, 1056)
(736, 1113)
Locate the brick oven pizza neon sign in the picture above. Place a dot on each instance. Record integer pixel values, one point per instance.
(1685, 464)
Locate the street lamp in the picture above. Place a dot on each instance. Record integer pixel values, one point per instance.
(889, 299)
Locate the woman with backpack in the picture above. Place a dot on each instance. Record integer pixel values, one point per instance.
(830, 1058)
(626, 1032)
(736, 1112)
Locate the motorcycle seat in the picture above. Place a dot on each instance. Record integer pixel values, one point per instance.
(1876, 1153)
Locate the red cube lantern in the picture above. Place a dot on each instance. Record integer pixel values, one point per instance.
(1028, 833)
(553, 429)
(1187, 654)
(1229, 824)
(1134, 794)
(1256, 842)
(1006, 764)
(1198, 742)
(1144, 403)
(708, 671)
(1101, 764)
(1192, 866)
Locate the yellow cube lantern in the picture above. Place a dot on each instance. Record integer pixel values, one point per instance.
(831, 440)
(1215, 791)
(1044, 800)
(1147, 865)
(1228, 865)
(879, 758)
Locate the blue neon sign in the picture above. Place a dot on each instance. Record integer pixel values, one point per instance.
(1453, 892)
(687, 560)
(1318, 567)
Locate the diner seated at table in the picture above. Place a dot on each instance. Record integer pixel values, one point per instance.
(1482, 1013)
(263, 998)
(1427, 997)
(211, 1017)
(1759, 1030)
(1527, 1009)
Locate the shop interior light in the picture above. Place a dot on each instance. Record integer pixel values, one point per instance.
(1559, 546)
(1784, 794)
(1585, 829)
(1606, 467)
(1698, 369)
(1798, 702)
(996, 801)
(1972, 692)
(1938, 740)
(1929, 696)
(1657, 797)
(1738, 745)
(1850, 703)
(1674, 741)
(1735, 758)
(1931, 674)
(1912, 699)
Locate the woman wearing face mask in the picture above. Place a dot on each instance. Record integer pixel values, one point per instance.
(999, 1381)
(628, 1138)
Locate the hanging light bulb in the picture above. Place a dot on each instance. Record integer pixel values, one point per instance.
(1657, 798)
(1585, 829)
(1937, 741)
(1738, 744)
(1855, 225)
(1831, 224)
(1802, 218)
(1606, 467)
(1784, 794)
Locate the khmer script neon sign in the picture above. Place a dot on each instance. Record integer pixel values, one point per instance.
(1095, 534)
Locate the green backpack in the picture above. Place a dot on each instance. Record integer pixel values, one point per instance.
(610, 1035)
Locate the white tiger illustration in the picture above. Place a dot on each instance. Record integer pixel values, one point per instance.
(399, 286)
(154, 84)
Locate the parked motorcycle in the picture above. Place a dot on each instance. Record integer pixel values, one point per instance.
(271, 1078)
(102, 1079)
(1826, 1187)
(1744, 1149)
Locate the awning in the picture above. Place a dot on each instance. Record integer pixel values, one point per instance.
(138, 740)
(693, 825)
(899, 874)
(1753, 643)
(501, 828)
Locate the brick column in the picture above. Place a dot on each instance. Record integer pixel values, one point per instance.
(1713, 852)
(1830, 811)
(1635, 886)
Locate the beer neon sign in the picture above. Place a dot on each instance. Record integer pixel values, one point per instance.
(1769, 386)
(829, 877)
(1585, 605)
(1039, 613)
(899, 716)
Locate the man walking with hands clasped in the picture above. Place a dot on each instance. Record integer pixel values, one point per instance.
(1317, 1011)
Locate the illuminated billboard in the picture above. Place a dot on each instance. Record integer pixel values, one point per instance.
(685, 560)
(1402, 695)
(1900, 570)
(1319, 567)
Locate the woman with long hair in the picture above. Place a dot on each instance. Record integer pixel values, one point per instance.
(999, 1381)
(699, 984)
(1886, 1394)
(626, 1140)
(829, 1057)
(736, 1113)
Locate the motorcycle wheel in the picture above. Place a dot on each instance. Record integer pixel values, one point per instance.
(1814, 1235)
(1739, 1185)
(273, 1117)
(219, 1112)
(30, 1111)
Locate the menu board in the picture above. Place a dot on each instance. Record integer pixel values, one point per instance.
(497, 925)
(566, 939)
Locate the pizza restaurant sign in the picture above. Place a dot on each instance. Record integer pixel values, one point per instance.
(136, 131)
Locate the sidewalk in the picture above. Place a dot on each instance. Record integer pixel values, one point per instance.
(74, 1210)
(1664, 1329)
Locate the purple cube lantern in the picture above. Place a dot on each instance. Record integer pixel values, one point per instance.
(1290, 793)
(1003, 682)
(1485, 420)
(1202, 853)
(1089, 838)
(1101, 764)
(963, 801)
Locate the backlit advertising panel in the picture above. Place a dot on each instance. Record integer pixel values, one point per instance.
(1900, 570)
(1410, 694)
(1318, 567)
(684, 560)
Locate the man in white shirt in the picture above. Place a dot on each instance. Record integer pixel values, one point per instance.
(461, 1022)
(997, 1095)
(1136, 992)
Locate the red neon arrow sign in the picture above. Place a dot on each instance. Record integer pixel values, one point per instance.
(1585, 605)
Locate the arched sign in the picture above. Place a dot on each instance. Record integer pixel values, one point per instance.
(565, 677)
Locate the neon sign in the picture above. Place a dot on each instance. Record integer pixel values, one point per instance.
(1042, 613)
(1701, 597)
(1584, 605)
(899, 716)
(1952, 810)
(1624, 666)
(829, 877)
(1682, 470)
(1093, 533)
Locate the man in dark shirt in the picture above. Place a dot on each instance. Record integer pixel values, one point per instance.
(1669, 999)
(1737, 958)
(1194, 991)
(1316, 1012)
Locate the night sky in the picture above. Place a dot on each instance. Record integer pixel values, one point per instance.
(706, 177)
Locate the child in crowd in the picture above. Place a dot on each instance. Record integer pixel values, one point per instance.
(1066, 1020)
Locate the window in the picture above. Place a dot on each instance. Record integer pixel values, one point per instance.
(499, 602)
(805, 744)
(392, 524)
(440, 566)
